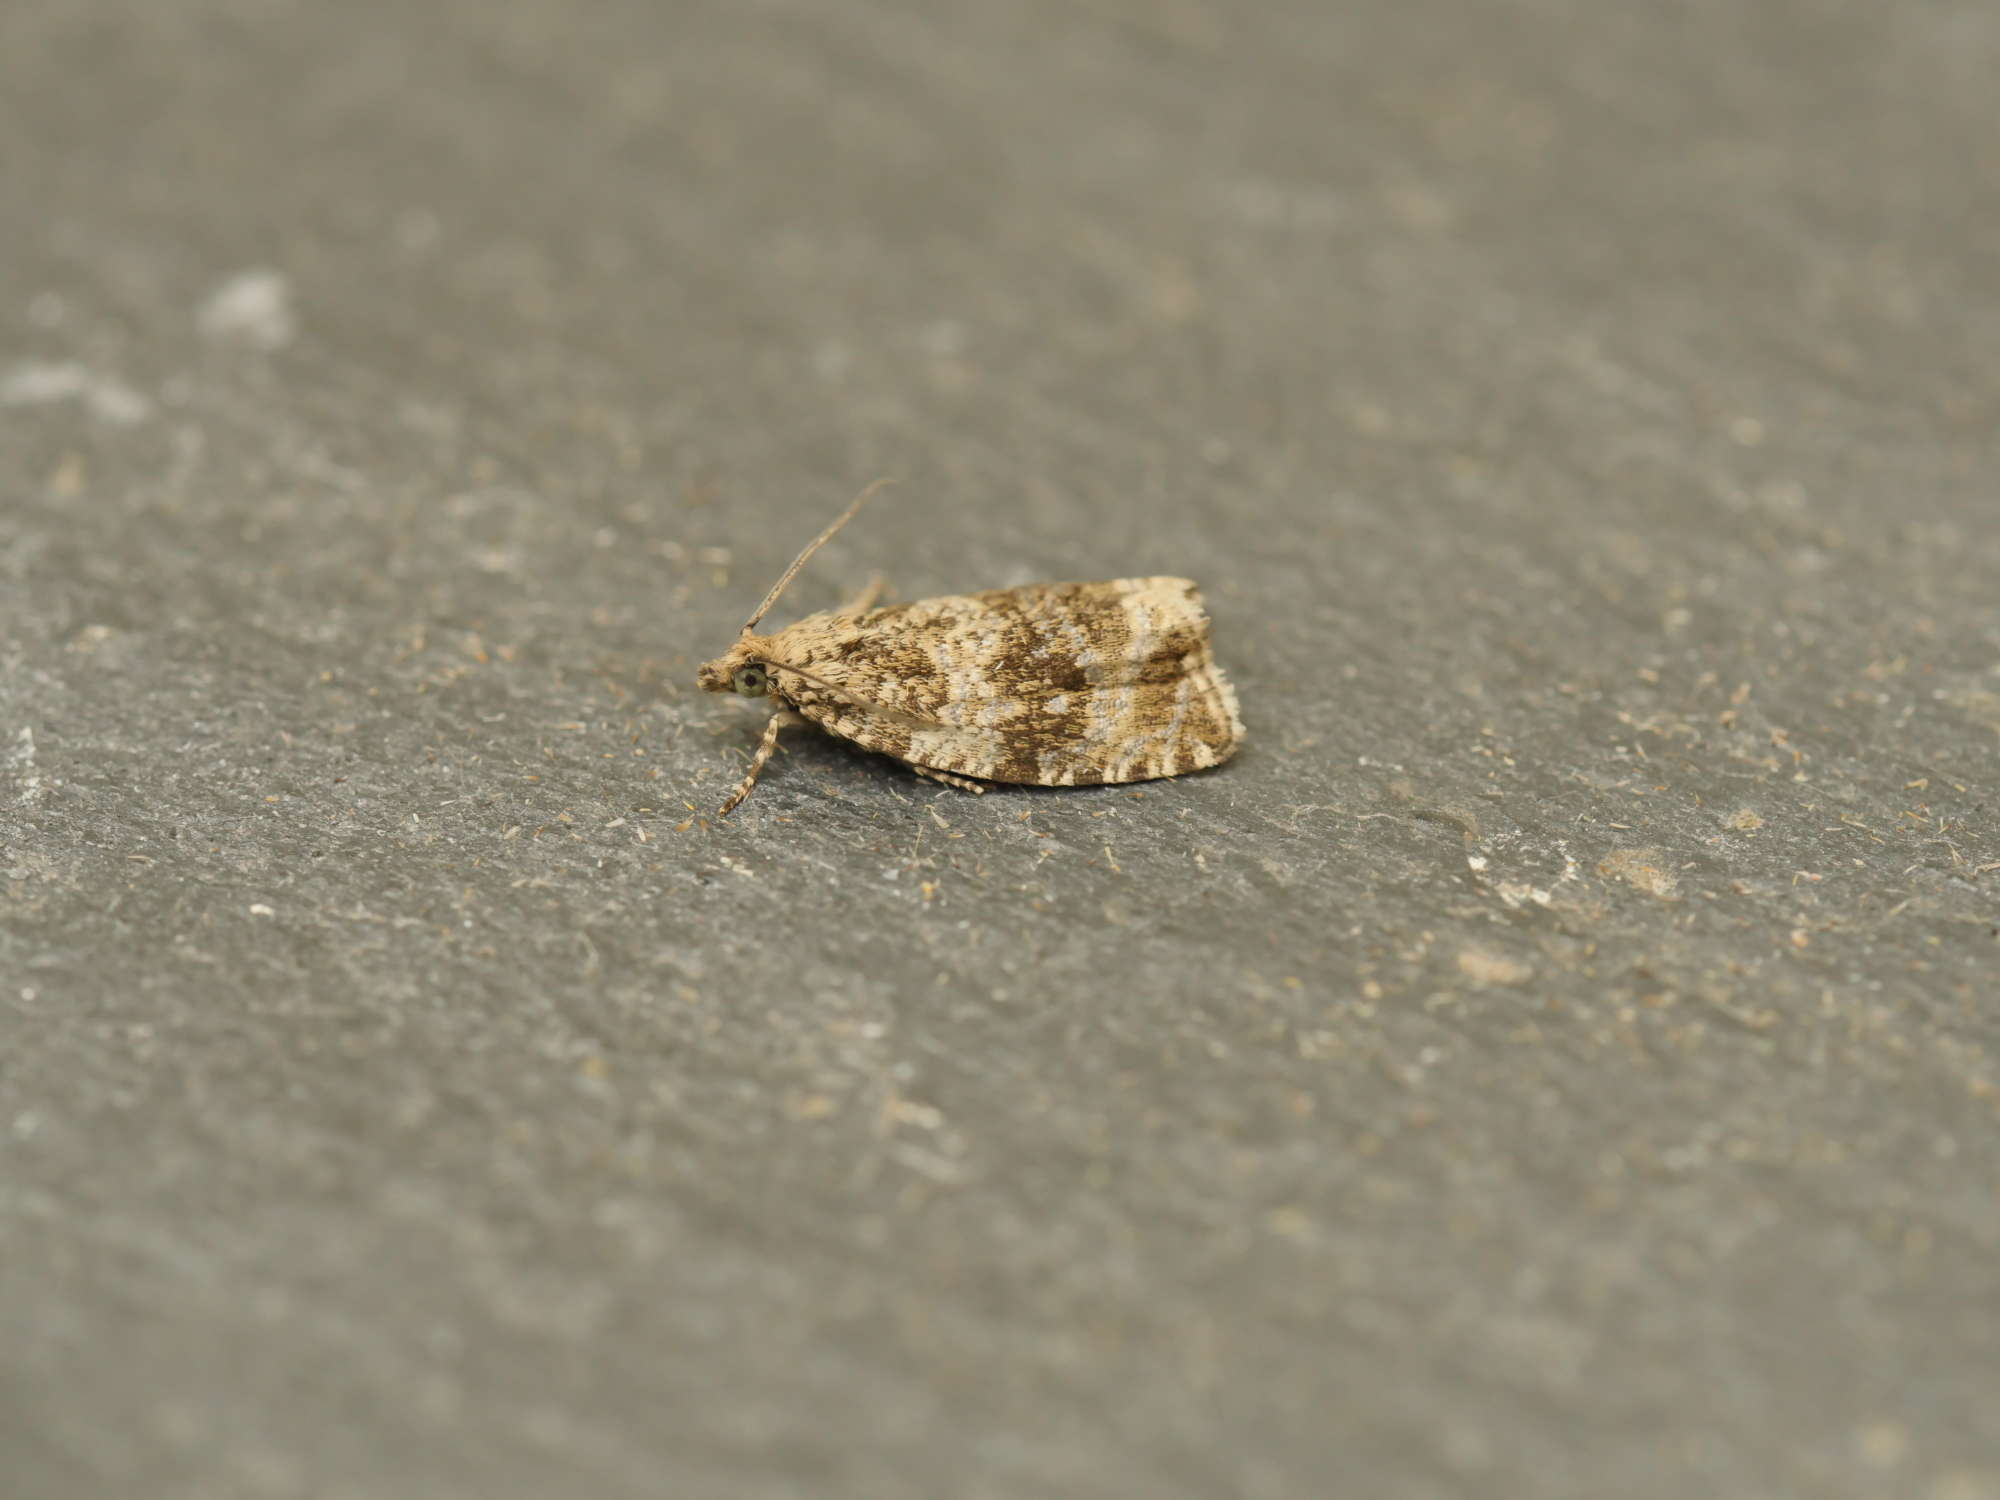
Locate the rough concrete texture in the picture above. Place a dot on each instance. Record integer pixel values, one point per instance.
(1556, 1059)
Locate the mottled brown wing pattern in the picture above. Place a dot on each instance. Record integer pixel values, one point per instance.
(1063, 684)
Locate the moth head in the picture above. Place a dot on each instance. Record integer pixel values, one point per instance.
(740, 670)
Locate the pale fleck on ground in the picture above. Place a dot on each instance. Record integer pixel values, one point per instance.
(1557, 1059)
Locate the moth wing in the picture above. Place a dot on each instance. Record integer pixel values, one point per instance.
(1061, 684)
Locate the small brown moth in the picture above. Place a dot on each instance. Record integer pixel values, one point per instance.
(1053, 684)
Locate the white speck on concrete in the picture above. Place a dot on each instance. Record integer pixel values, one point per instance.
(19, 760)
(252, 308)
(44, 382)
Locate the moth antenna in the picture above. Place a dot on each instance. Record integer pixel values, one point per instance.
(811, 547)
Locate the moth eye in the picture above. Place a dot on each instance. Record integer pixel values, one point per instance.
(751, 681)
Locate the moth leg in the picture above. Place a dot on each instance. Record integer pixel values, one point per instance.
(867, 598)
(963, 783)
(764, 748)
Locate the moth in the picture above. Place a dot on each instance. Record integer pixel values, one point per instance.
(1053, 684)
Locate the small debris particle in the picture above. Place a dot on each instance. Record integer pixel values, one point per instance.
(253, 308)
(1881, 1445)
(1642, 869)
(1453, 817)
(1288, 1222)
(67, 480)
(106, 398)
(1485, 967)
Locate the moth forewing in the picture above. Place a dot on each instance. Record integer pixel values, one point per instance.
(1063, 684)
(1050, 685)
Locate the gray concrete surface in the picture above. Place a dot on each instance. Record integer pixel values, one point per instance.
(1556, 1059)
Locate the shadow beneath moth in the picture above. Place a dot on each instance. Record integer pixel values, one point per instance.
(1051, 684)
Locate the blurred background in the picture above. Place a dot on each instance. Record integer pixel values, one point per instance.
(1556, 1058)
